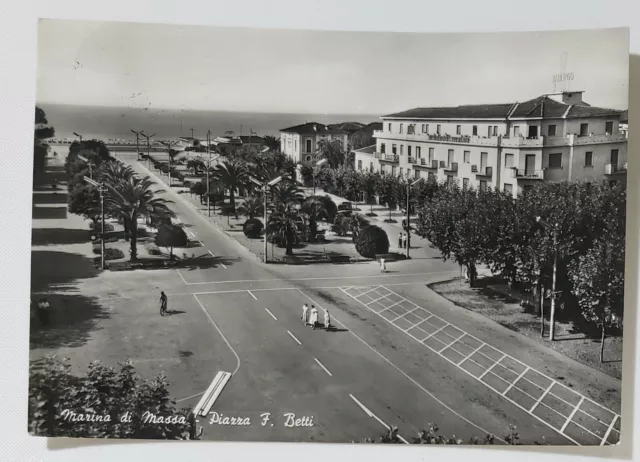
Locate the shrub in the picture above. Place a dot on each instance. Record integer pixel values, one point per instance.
(372, 240)
(152, 249)
(340, 225)
(164, 168)
(330, 207)
(226, 209)
(111, 253)
(252, 228)
(171, 236)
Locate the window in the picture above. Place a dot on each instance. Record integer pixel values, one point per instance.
(426, 129)
(489, 131)
(483, 185)
(371, 166)
(438, 129)
(423, 128)
(508, 188)
(508, 160)
(458, 129)
(295, 145)
(382, 148)
(495, 130)
(360, 165)
(400, 128)
(484, 160)
(467, 157)
(449, 180)
(609, 128)
(588, 159)
(400, 171)
(555, 160)
(416, 173)
(584, 129)
(411, 129)
(475, 130)
(552, 130)
(431, 154)
(409, 151)
(465, 183)
(449, 157)
(389, 127)
(393, 170)
(308, 158)
(394, 149)
(516, 131)
(418, 151)
(308, 146)
(614, 157)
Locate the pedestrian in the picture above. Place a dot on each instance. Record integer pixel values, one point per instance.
(43, 311)
(305, 313)
(327, 319)
(400, 240)
(404, 240)
(383, 265)
(314, 317)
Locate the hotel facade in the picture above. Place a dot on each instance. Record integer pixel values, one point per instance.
(510, 147)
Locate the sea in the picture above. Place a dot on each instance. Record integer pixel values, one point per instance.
(99, 122)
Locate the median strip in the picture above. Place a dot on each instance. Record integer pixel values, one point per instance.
(211, 395)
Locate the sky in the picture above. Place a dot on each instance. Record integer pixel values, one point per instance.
(295, 71)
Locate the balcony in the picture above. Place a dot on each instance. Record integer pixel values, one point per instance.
(528, 174)
(485, 171)
(452, 167)
(386, 157)
(520, 141)
(426, 164)
(615, 169)
(412, 160)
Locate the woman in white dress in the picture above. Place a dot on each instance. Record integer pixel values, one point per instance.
(314, 317)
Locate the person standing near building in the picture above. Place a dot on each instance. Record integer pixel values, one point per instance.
(383, 265)
(314, 317)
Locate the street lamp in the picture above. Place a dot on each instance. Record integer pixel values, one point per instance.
(101, 190)
(89, 163)
(208, 168)
(554, 228)
(148, 137)
(317, 164)
(409, 185)
(79, 136)
(138, 141)
(265, 186)
(169, 145)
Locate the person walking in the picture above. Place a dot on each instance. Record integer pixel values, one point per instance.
(43, 311)
(305, 313)
(327, 319)
(163, 303)
(314, 317)
(383, 265)
(404, 240)
(400, 240)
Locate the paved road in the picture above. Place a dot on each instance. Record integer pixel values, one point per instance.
(351, 382)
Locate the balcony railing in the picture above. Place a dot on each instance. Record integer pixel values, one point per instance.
(452, 167)
(612, 169)
(529, 174)
(412, 160)
(386, 157)
(485, 171)
(425, 163)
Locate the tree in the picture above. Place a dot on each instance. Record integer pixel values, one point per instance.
(232, 174)
(199, 189)
(196, 165)
(356, 223)
(313, 208)
(333, 151)
(131, 198)
(252, 228)
(84, 200)
(370, 184)
(371, 241)
(170, 236)
(285, 194)
(283, 227)
(389, 187)
(329, 210)
(272, 142)
(252, 207)
(105, 397)
(40, 149)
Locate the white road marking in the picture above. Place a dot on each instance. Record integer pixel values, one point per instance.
(254, 297)
(575, 409)
(220, 332)
(178, 220)
(427, 392)
(371, 414)
(182, 277)
(200, 242)
(211, 253)
(272, 315)
(606, 435)
(294, 337)
(322, 366)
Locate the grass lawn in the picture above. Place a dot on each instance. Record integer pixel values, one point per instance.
(507, 311)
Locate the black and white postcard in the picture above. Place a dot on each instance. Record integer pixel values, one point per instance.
(311, 236)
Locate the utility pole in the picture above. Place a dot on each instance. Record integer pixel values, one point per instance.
(138, 142)
(101, 191)
(409, 185)
(169, 145)
(89, 164)
(193, 140)
(148, 137)
(79, 136)
(552, 315)
(208, 167)
(265, 188)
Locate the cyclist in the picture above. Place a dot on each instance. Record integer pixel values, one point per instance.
(163, 303)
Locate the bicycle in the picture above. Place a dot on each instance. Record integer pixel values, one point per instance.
(163, 308)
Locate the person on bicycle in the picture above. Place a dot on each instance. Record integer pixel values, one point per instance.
(163, 303)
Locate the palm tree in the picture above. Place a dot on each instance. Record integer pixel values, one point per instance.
(272, 143)
(196, 165)
(333, 151)
(232, 174)
(286, 194)
(132, 198)
(251, 207)
(312, 208)
(283, 226)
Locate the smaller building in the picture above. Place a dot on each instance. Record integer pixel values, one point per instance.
(300, 143)
(364, 159)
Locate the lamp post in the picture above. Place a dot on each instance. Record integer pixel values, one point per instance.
(148, 137)
(89, 164)
(409, 185)
(138, 142)
(554, 229)
(317, 164)
(169, 145)
(79, 136)
(101, 191)
(265, 188)
(209, 168)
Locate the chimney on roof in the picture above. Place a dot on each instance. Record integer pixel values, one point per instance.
(569, 97)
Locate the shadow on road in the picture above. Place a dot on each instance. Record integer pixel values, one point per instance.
(205, 262)
(58, 236)
(49, 213)
(53, 198)
(69, 268)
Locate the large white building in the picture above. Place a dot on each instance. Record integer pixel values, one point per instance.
(511, 146)
(300, 143)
